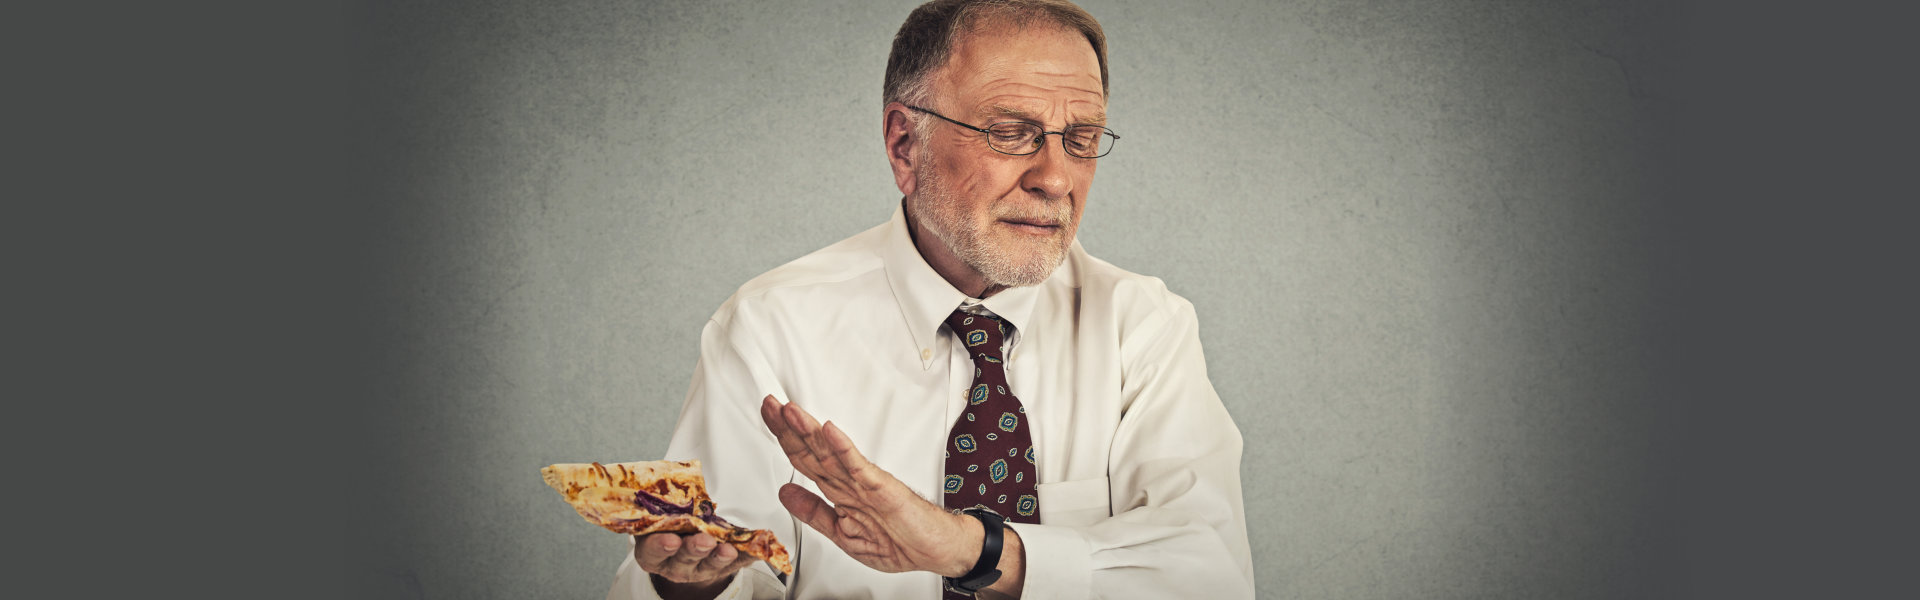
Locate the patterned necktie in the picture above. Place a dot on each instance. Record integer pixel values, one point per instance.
(990, 458)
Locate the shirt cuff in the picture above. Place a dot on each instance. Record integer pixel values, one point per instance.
(1058, 561)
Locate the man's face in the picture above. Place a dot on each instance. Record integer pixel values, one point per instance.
(1008, 218)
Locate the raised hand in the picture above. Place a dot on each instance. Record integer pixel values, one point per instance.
(867, 512)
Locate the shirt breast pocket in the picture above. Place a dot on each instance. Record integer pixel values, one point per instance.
(1073, 503)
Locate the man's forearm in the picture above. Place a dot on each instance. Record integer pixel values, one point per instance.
(1013, 568)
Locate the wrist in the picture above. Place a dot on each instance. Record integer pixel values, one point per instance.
(985, 568)
(972, 536)
(1013, 576)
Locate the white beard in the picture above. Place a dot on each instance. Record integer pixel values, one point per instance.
(1001, 265)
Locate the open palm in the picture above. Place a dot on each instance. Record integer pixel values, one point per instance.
(870, 514)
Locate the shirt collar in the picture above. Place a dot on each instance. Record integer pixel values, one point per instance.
(926, 298)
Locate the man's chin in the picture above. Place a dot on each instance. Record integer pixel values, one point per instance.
(1014, 278)
(1035, 265)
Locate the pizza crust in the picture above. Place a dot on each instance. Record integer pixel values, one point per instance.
(661, 496)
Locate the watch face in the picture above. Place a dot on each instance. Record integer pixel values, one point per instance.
(978, 583)
(983, 511)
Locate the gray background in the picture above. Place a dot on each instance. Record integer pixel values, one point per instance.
(268, 339)
(1422, 239)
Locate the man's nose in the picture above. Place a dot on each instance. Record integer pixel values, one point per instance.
(1050, 175)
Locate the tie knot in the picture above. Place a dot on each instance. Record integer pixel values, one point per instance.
(982, 334)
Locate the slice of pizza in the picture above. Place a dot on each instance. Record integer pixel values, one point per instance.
(662, 496)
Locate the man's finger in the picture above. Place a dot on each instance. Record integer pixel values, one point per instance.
(684, 566)
(653, 549)
(768, 408)
(823, 469)
(770, 413)
(810, 509)
(718, 561)
(789, 435)
(742, 561)
(798, 420)
(834, 493)
(799, 454)
(822, 454)
(697, 547)
(861, 473)
(809, 430)
(817, 460)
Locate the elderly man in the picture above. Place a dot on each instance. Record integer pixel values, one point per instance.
(1003, 414)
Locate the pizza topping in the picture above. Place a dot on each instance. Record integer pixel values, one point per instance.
(655, 505)
(702, 509)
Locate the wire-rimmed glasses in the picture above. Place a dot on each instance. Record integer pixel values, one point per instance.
(1020, 138)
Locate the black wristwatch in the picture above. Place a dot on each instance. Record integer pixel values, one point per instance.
(983, 573)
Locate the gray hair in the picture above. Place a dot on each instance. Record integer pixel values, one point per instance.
(925, 40)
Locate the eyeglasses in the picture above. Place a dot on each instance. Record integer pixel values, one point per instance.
(1020, 138)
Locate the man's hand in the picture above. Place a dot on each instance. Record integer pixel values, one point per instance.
(694, 566)
(867, 512)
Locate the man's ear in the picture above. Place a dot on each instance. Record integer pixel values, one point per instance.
(898, 135)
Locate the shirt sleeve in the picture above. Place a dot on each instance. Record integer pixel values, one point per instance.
(742, 463)
(1178, 524)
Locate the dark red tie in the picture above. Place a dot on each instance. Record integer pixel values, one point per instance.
(990, 459)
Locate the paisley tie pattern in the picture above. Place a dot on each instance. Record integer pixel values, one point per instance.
(990, 458)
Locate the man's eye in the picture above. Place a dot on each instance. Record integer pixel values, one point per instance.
(1081, 140)
(1009, 135)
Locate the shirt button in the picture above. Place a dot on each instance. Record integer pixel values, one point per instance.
(926, 353)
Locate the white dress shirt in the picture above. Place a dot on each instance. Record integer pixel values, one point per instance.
(1138, 461)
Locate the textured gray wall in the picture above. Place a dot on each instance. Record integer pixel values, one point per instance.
(1417, 235)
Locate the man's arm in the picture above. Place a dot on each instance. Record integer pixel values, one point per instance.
(1178, 522)
(1181, 531)
(872, 515)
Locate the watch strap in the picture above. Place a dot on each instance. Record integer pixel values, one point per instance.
(984, 572)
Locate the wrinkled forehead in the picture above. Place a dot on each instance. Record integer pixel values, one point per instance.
(1023, 68)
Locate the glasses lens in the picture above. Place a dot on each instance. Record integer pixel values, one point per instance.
(1087, 141)
(1014, 138)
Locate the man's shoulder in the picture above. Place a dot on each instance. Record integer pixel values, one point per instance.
(1100, 281)
(1139, 310)
(840, 265)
